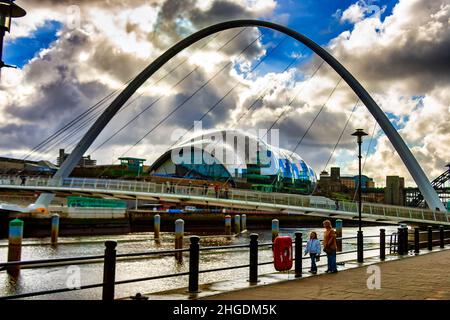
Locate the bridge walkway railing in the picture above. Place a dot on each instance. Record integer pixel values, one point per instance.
(294, 200)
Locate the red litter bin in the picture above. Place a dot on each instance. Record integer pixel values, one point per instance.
(282, 253)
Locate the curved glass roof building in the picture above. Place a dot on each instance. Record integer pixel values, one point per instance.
(238, 157)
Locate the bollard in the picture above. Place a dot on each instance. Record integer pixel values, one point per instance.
(156, 225)
(55, 228)
(430, 238)
(338, 235)
(237, 224)
(109, 271)
(275, 229)
(253, 278)
(15, 245)
(227, 224)
(400, 241)
(416, 241)
(244, 222)
(194, 259)
(298, 254)
(441, 237)
(179, 234)
(382, 244)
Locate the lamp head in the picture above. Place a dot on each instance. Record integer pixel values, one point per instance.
(9, 10)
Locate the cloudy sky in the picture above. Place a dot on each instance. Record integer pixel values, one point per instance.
(73, 53)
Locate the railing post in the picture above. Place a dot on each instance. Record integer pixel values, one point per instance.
(441, 236)
(253, 278)
(339, 235)
(382, 244)
(156, 225)
(405, 239)
(55, 228)
(15, 245)
(194, 259)
(430, 238)
(400, 241)
(109, 271)
(298, 254)
(416, 241)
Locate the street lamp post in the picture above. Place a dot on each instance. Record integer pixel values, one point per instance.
(359, 133)
(8, 10)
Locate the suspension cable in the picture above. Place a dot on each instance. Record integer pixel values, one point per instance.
(159, 98)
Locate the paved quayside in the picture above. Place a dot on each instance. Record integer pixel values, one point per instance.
(420, 278)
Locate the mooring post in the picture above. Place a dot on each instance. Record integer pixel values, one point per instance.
(275, 229)
(109, 271)
(244, 222)
(298, 254)
(382, 244)
(441, 237)
(253, 278)
(156, 225)
(179, 234)
(227, 224)
(237, 224)
(55, 228)
(15, 245)
(430, 238)
(194, 259)
(339, 235)
(416, 241)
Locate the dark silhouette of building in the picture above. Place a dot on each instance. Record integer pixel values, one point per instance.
(85, 161)
(394, 193)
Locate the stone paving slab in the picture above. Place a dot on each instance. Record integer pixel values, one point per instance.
(423, 277)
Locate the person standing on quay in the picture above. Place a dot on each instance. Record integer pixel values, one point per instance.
(330, 246)
(313, 248)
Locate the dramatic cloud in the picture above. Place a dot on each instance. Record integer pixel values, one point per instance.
(402, 59)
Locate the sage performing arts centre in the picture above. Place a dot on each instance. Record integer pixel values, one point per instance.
(238, 158)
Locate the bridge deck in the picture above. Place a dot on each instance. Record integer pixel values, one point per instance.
(420, 278)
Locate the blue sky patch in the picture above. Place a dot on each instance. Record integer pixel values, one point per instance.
(21, 50)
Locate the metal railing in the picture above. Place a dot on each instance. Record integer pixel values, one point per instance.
(247, 196)
(110, 260)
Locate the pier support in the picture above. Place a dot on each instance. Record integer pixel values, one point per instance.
(179, 234)
(55, 228)
(339, 235)
(237, 224)
(227, 224)
(244, 222)
(156, 226)
(275, 229)
(15, 245)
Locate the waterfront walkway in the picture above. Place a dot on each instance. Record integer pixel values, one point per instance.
(421, 278)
